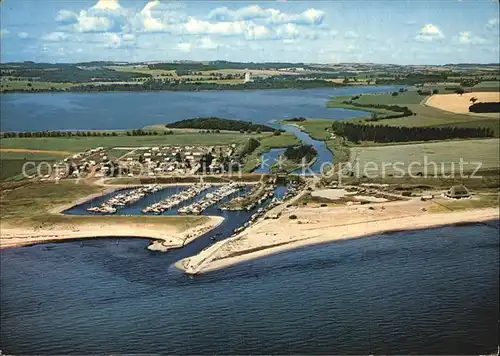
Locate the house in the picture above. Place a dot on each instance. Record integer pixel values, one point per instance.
(457, 192)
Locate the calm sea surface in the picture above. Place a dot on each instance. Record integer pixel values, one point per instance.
(427, 292)
(64, 111)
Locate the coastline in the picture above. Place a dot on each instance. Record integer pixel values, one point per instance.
(164, 236)
(329, 225)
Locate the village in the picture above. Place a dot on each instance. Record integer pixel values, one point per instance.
(145, 161)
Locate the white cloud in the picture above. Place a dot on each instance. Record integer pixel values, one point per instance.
(89, 23)
(466, 38)
(429, 32)
(273, 16)
(184, 47)
(107, 5)
(4, 32)
(198, 27)
(150, 23)
(288, 31)
(55, 37)
(114, 40)
(492, 24)
(23, 35)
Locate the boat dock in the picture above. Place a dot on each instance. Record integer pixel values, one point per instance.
(121, 200)
(211, 199)
(176, 199)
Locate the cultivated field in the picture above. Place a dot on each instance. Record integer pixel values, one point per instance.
(460, 103)
(486, 151)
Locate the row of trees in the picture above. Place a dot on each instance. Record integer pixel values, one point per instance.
(141, 132)
(29, 134)
(296, 153)
(384, 133)
(57, 134)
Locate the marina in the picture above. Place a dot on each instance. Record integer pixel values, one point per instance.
(176, 199)
(119, 201)
(211, 198)
(256, 196)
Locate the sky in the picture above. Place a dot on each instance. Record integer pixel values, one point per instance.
(374, 31)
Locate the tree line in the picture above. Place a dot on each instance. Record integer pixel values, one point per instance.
(384, 133)
(29, 134)
(41, 134)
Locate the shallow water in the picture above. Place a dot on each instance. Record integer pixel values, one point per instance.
(428, 292)
(70, 111)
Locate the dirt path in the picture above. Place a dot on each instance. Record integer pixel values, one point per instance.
(60, 153)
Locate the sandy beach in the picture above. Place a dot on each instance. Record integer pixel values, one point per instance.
(320, 225)
(166, 236)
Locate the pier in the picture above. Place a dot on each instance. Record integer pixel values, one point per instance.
(211, 199)
(119, 201)
(176, 199)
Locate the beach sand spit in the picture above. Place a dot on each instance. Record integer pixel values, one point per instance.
(166, 237)
(320, 225)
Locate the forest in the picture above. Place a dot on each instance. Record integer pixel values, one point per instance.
(296, 153)
(215, 123)
(384, 133)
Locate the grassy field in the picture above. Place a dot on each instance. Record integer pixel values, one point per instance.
(488, 84)
(11, 163)
(78, 144)
(442, 153)
(30, 205)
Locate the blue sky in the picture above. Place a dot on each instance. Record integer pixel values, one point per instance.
(400, 32)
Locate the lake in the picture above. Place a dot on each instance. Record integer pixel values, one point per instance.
(428, 292)
(126, 110)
